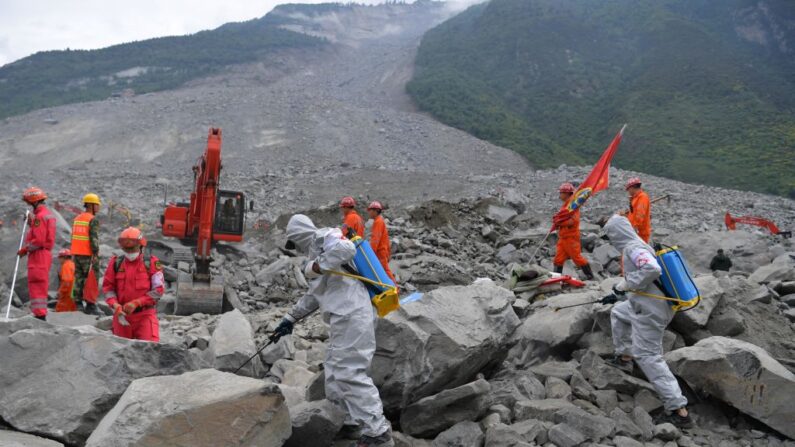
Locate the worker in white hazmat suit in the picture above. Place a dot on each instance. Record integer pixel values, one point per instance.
(639, 322)
(346, 308)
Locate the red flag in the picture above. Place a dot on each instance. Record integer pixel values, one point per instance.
(91, 287)
(597, 180)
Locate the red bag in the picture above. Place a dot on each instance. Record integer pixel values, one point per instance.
(91, 287)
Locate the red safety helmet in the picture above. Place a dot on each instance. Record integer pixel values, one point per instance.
(347, 202)
(33, 195)
(65, 253)
(566, 187)
(375, 205)
(131, 238)
(634, 181)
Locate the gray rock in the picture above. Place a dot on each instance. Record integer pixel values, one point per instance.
(282, 349)
(785, 288)
(647, 400)
(511, 386)
(233, 343)
(315, 423)
(17, 439)
(666, 432)
(543, 410)
(230, 410)
(711, 293)
(463, 434)
(602, 376)
(563, 435)
(790, 314)
(441, 341)
(623, 441)
(433, 414)
(606, 400)
(591, 426)
(762, 294)
(741, 374)
(97, 366)
(605, 253)
(230, 294)
(502, 435)
(508, 254)
(404, 440)
(644, 422)
(777, 271)
(277, 268)
(316, 390)
(789, 300)
(625, 425)
(500, 214)
(72, 319)
(557, 389)
(561, 370)
(728, 323)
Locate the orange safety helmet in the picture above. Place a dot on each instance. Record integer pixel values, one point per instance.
(33, 195)
(131, 237)
(347, 202)
(65, 253)
(634, 181)
(376, 205)
(566, 187)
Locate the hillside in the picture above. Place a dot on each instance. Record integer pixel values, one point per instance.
(54, 78)
(708, 88)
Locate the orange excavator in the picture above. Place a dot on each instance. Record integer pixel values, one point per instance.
(212, 215)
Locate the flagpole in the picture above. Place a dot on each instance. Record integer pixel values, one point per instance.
(538, 247)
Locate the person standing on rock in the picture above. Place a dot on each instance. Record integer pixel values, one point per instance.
(639, 212)
(132, 286)
(39, 241)
(85, 249)
(720, 262)
(346, 308)
(379, 237)
(66, 278)
(352, 222)
(569, 246)
(639, 322)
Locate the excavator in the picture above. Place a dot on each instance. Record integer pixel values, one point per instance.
(211, 215)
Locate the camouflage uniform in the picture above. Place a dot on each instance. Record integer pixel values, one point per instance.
(82, 263)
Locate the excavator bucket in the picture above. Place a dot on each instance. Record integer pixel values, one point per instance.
(199, 297)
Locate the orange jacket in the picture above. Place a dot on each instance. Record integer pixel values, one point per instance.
(67, 278)
(640, 215)
(81, 242)
(355, 221)
(570, 229)
(379, 240)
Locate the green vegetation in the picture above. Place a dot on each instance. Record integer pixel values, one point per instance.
(61, 77)
(707, 87)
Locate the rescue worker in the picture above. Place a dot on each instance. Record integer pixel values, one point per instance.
(132, 286)
(85, 249)
(351, 220)
(346, 308)
(639, 212)
(720, 262)
(39, 241)
(379, 237)
(639, 322)
(569, 246)
(66, 278)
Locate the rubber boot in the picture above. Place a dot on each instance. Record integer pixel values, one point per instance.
(41, 317)
(588, 272)
(558, 269)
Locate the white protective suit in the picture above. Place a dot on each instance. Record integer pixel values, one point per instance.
(346, 307)
(639, 322)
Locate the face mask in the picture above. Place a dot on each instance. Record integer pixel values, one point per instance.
(131, 256)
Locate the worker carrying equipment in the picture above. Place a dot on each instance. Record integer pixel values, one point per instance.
(132, 286)
(379, 238)
(351, 318)
(569, 245)
(639, 213)
(66, 276)
(638, 324)
(85, 249)
(39, 241)
(352, 222)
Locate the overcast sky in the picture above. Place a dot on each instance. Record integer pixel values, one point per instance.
(28, 26)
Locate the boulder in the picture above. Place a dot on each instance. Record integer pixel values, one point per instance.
(510, 386)
(593, 427)
(625, 425)
(315, 423)
(433, 414)
(72, 319)
(233, 343)
(547, 329)
(603, 376)
(508, 254)
(603, 254)
(199, 408)
(712, 292)
(777, 271)
(441, 341)
(463, 434)
(564, 435)
(500, 214)
(742, 375)
(502, 435)
(17, 439)
(97, 366)
(543, 410)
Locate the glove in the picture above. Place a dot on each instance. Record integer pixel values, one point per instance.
(310, 272)
(284, 328)
(620, 289)
(22, 251)
(131, 306)
(609, 299)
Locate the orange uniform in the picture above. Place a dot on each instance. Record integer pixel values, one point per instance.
(379, 241)
(640, 215)
(569, 241)
(67, 278)
(353, 220)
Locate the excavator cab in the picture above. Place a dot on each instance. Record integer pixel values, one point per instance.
(230, 215)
